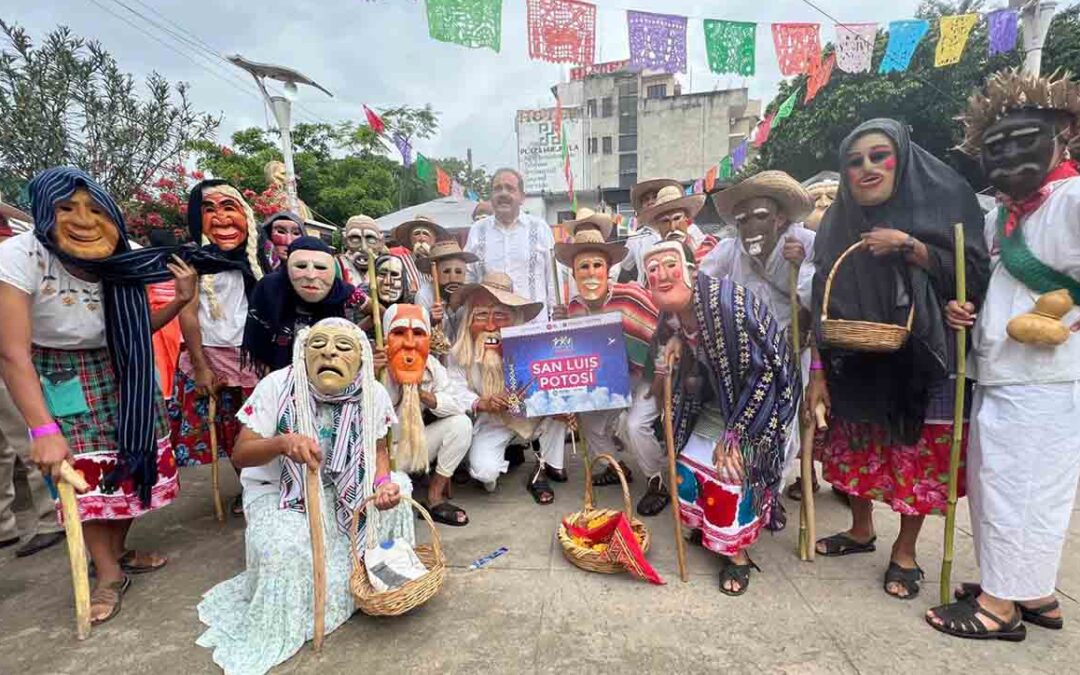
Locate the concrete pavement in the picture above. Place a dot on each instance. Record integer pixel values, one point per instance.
(532, 612)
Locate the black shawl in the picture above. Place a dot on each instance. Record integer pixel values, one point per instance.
(266, 244)
(929, 198)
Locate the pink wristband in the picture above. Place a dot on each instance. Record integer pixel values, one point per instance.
(817, 365)
(50, 429)
(379, 482)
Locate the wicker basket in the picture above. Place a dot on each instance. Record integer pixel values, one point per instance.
(860, 336)
(586, 558)
(412, 594)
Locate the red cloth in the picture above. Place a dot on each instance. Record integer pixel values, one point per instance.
(167, 340)
(622, 545)
(1019, 209)
(374, 121)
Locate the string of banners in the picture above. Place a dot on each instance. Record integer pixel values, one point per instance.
(426, 170)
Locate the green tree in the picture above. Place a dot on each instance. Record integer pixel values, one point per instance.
(66, 102)
(477, 180)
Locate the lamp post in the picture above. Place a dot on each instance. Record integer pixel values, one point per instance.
(282, 109)
(1035, 16)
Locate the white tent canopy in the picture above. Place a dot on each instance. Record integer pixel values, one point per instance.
(450, 212)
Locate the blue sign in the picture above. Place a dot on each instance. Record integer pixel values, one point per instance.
(577, 365)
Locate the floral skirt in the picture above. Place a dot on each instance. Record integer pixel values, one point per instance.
(91, 435)
(189, 412)
(912, 479)
(263, 616)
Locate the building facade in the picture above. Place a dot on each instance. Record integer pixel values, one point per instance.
(635, 126)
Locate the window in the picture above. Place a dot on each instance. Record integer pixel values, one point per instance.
(656, 91)
(590, 107)
(628, 163)
(627, 180)
(606, 107)
(627, 143)
(593, 145)
(607, 145)
(628, 87)
(627, 107)
(628, 124)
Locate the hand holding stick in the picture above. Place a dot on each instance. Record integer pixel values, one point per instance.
(958, 419)
(669, 439)
(71, 482)
(439, 344)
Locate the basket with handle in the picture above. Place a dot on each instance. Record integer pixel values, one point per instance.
(860, 336)
(583, 556)
(412, 594)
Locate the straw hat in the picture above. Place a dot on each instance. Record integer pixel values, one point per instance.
(671, 198)
(795, 202)
(639, 190)
(499, 287)
(589, 240)
(586, 216)
(447, 248)
(403, 232)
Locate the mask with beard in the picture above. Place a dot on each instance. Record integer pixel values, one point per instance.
(408, 343)
(452, 273)
(420, 242)
(759, 222)
(1019, 150)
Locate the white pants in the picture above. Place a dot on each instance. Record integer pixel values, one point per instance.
(447, 440)
(638, 431)
(1022, 468)
(15, 446)
(490, 437)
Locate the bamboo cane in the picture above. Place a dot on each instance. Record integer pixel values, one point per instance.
(806, 468)
(376, 322)
(71, 481)
(439, 344)
(958, 419)
(313, 506)
(215, 472)
(669, 440)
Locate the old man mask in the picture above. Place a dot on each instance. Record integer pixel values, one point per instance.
(408, 342)
(760, 222)
(390, 273)
(1020, 149)
(670, 275)
(333, 356)
(226, 217)
(84, 229)
(311, 274)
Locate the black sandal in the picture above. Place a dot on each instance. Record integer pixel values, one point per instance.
(960, 619)
(655, 499)
(609, 477)
(841, 543)
(740, 574)
(908, 578)
(448, 514)
(794, 491)
(1033, 615)
(557, 475)
(540, 489)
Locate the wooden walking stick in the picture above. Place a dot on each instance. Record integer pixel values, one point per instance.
(958, 419)
(806, 467)
(215, 473)
(807, 510)
(673, 480)
(313, 506)
(440, 346)
(71, 481)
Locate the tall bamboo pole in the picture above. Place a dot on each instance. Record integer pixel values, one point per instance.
(71, 482)
(376, 322)
(958, 420)
(806, 467)
(313, 506)
(215, 470)
(673, 477)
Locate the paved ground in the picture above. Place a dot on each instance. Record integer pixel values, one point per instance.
(532, 612)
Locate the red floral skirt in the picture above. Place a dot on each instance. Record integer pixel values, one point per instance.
(188, 418)
(912, 479)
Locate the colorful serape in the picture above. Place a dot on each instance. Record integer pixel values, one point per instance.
(639, 319)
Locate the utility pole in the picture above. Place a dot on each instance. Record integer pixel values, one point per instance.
(468, 164)
(1035, 17)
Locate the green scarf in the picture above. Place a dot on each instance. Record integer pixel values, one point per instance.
(1029, 270)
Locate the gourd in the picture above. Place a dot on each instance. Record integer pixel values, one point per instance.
(1042, 326)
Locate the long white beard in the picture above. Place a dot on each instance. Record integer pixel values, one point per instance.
(411, 454)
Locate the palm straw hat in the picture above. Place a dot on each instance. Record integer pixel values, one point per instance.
(403, 232)
(795, 202)
(589, 240)
(671, 198)
(447, 248)
(586, 216)
(499, 287)
(639, 190)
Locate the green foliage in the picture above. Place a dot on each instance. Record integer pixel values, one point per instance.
(66, 102)
(478, 180)
(928, 99)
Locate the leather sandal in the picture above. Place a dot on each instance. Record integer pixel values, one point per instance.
(907, 577)
(106, 594)
(960, 619)
(740, 574)
(1033, 615)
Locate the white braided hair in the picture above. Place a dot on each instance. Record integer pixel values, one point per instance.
(305, 421)
(251, 247)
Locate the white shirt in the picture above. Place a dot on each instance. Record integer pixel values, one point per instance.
(436, 380)
(1052, 233)
(769, 282)
(228, 331)
(522, 250)
(260, 414)
(65, 312)
(642, 239)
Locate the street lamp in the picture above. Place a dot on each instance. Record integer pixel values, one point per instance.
(1035, 16)
(282, 107)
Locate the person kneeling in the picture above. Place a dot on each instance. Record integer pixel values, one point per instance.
(263, 616)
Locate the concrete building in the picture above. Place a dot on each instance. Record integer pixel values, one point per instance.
(625, 126)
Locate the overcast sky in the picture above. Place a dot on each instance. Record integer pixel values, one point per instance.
(379, 53)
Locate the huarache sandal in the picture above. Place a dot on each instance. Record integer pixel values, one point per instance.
(449, 514)
(655, 499)
(841, 543)
(539, 488)
(140, 562)
(907, 577)
(961, 619)
(108, 595)
(777, 518)
(1033, 615)
(739, 575)
(609, 477)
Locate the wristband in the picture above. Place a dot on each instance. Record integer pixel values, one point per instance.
(816, 364)
(379, 482)
(50, 429)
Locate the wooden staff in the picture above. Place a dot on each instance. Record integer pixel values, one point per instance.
(669, 439)
(806, 464)
(313, 506)
(807, 511)
(439, 344)
(958, 419)
(215, 473)
(71, 481)
(376, 321)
